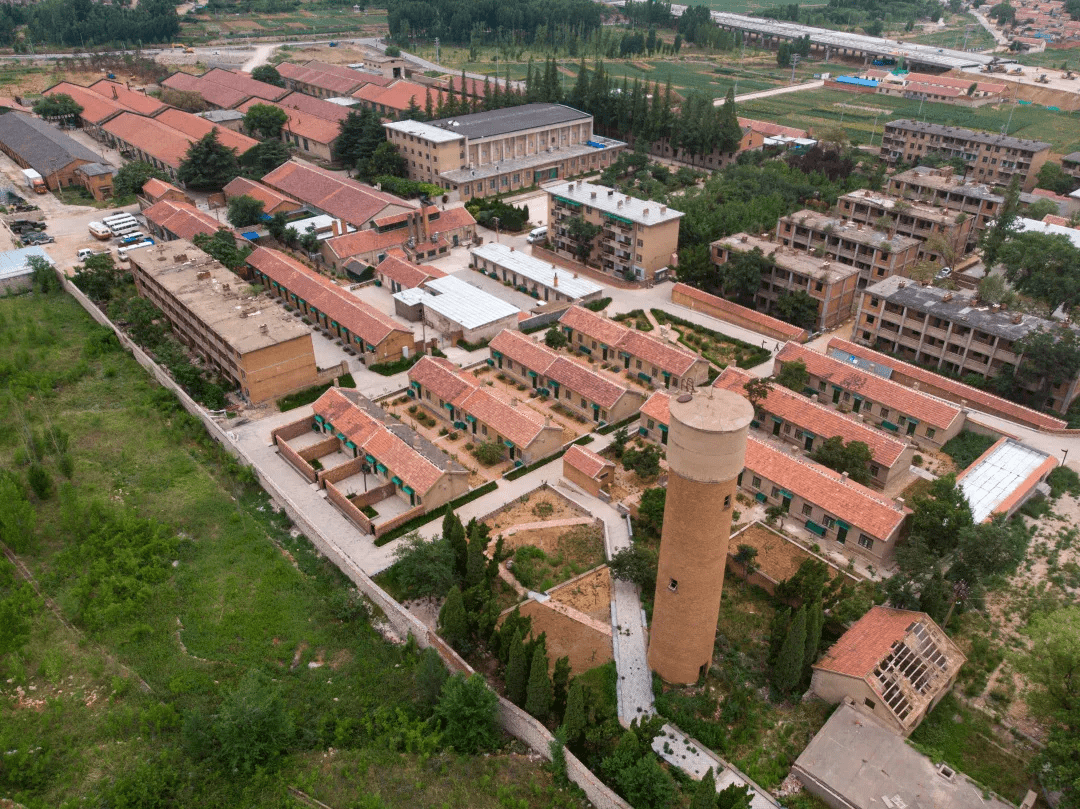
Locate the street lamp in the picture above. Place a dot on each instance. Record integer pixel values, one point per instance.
(1064, 456)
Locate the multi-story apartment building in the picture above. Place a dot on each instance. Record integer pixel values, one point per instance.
(943, 235)
(833, 285)
(947, 331)
(592, 394)
(493, 152)
(637, 237)
(641, 356)
(888, 405)
(791, 417)
(991, 158)
(846, 516)
(242, 336)
(460, 399)
(942, 186)
(875, 253)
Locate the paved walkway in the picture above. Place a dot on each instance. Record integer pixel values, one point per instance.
(776, 91)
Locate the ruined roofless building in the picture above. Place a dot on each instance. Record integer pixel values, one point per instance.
(706, 450)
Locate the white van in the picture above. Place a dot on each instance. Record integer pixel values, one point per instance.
(123, 252)
(125, 230)
(121, 224)
(99, 230)
(537, 235)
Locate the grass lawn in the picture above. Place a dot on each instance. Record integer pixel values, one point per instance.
(952, 35)
(579, 549)
(228, 589)
(966, 741)
(1052, 58)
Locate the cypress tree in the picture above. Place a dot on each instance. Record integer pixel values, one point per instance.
(517, 671)
(789, 663)
(560, 679)
(815, 620)
(574, 717)
(538, 694)
(454, 531)
(475, 562)
(777, 633)
(705, 792)
(453, 622)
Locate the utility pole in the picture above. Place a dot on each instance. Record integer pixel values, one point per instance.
(436, 50)
(794, 62)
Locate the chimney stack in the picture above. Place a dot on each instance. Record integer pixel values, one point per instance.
(555, 282)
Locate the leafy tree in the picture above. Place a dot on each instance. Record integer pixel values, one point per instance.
(44, 276)
(1050, 358)
(798, 308)
(454, 533)
(57, 106)
(757, 390)
(582, 233)
(995, 236)
(361, 134)
(1004, 13)
(989, 549)
(424, 568)
(1053, 178)
(244, 211)
(651, 511)
(539, 694)
(1041, 208)
(209, 165)
(704, 796)
(262, 158)
(554, 338)
(794, 376)
(740, 276)
(431, 676)
(815, 620)
(635, 564)
(265, 121)
(222, 246)
(517, 671)
(17, 515)
(788, 670)
(575, 717)
(853, 458)
(644, 462)
(468, 712)
(1043, 265)
(16, 610)
(476, 562)
(185, 100)
(132, 176)
(41, 482)
(268, 74)
(385, 161)
(453, 621)
(808, 583)
(940, 515)
(746, 555)
(734, 796)
(253, 727)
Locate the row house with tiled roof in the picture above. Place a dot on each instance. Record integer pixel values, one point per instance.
(585, 468)
(225, 89)
(791, 417)
(395, 100)
(463, 402)
(273, 200)
(421, 235)
(595, 395)
(878, 401)
(313, 79)
(195, 128)
(155, 190)
(326, 110)
(374, 336)
(310, 134)
(853, 519)
(169, 220)
(653, 361)
(396, 272)
(105, 99)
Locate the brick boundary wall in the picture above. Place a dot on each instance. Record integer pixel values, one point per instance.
(320, 448)
(348, 508)
(296, 461)
(400, 519)
(737, 315)
(341, 471)
(511, 718)
(290, 431)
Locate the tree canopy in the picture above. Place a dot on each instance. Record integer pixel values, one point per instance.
(58, 105)
(133, 176)
(268, 74)
(209, 164)
(853, 458)
(265, 121)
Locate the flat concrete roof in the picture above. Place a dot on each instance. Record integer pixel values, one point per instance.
(957, 308)
(220, 299)
(928, 176)
(509, 119)
(542, 272)
(868, 766)
(460, 302)
(788, 258)
(610, 201)
(998, 475)
(976, 135)
(417, 129)
(889, 202)
(840, 227)
(1025, 225)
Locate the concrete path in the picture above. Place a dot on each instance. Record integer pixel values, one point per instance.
(776, 91)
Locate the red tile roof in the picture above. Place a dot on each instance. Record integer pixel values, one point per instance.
(363, 321)
(658, 407)
(136, 102)
(869, 641)
(917, 405)
(769, 129)
(375, 438)
(665, 356)
(151, 136)
(315, 106)
(840, 496)
(216, 94)
(195, 128)
(155, 189)
(817, 418)
(404, 272)
(773, 324)
(338, 196)
(363, 242)
(306, 74)
(585, 461)
(952, 389)
(348, 72)
(181, 219)
(272, 200)
(316, 129)
(398, 95)
(520, 425)
(245, 84)
(96, 108)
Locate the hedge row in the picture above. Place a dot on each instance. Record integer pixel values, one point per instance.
(514, 474)
(610, 428)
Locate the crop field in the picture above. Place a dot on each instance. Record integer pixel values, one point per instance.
(306, 21)
(951, 35)
(177, 578)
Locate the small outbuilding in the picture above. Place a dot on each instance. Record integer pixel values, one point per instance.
(586, 469)
(16, 274)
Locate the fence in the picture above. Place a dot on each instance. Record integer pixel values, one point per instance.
(512, 719)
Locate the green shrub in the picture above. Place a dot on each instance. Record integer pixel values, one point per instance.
(309, 395)
(1063, 480)
(395, 366)
(488, 453)
(965, 447)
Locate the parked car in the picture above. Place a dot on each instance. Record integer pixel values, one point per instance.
(943, 273)
(37, 237)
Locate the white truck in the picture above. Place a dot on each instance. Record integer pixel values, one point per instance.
(34, 181)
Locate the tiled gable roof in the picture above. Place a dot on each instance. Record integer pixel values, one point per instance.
(523, 349)
(304, 124)
(155, 189)
(151, 136)
(937, 413)
(772, 323)
(315, 106)
(271, 198)
(398, 95)
(195, 128)
(217, 94)
(817, 418)
(441, 377)
(40, 144)
(658, 407)
(673, 359)
(585, 460)
(96, 107)
(596, 326)
(840, 496)
(306, 74)
(338, 196)
(405, 273)
(244, 83)
(869, 641)
(973, 396)
(136, 102)
(181, 219)
(367, 323)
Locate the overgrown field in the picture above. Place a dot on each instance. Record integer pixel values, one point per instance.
(256, 655)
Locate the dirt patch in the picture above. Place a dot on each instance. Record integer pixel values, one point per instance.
(777, 558)
(583, 645)
(590, 594)
(534, 506)
(341, 658)
(426, 609)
